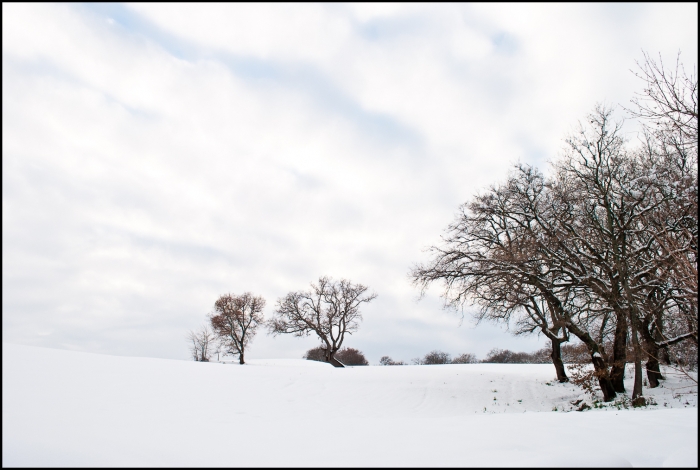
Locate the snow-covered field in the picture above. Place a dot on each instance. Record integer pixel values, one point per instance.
(64, 408)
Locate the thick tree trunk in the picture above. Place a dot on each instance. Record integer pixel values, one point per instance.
(617, 372)
(637, 393)
(604, 381)
(558, 363)
(656, 337)
(240, 358)
(599, 365)
(652, 351)
(330, 358)
(334, 362)
(653, 369)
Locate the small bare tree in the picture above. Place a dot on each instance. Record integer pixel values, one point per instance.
(330, 310)
(202, 343)
(235, 321)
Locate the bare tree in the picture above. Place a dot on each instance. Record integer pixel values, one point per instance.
(667, 107)
(236, 320)
(549, 255)
(604, 249)
(330, 310)
(202, 343)
(492, 256)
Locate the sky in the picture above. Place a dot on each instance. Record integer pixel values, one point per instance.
(156, 156)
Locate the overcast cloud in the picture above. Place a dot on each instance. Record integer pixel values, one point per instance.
(158, 156)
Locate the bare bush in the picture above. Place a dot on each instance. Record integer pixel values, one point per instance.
(351, 357)
(584, 376)
(506, 356)
(316, 354)
(347, 356)
(387, 361)
(541, 356)
(576, 353)
(684, 354)
(436, 357)
(466, 358)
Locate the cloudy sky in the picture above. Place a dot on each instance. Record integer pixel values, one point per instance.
(158, 156)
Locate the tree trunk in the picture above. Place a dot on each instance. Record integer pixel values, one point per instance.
(652, 351)
(604, 381)
(335, 362)
(617, 372)
(330, 357)
(637, 398)
(240, 358)
(653, 369)
(558, 363)
(601, 368)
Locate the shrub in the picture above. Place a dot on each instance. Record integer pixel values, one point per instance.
(466, 358)
(351, 357)
(387, 361)
(436, 357)
(576, 353)
(583, 376)
(684, 354)
(503, 356)
(316, 354)
(348, 356)
(506, 356)
(541, 356)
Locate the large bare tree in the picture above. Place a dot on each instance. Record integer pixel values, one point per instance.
(604, 247)
(331, 309)
(498, 254)
(235, 321)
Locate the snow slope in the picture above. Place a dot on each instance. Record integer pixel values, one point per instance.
(63, 408)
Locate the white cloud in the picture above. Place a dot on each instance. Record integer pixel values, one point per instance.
(291, 141)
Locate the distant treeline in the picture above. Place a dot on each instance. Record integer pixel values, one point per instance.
(576, 353)
(571, 353)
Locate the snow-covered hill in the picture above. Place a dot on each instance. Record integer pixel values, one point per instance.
(63, 408)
